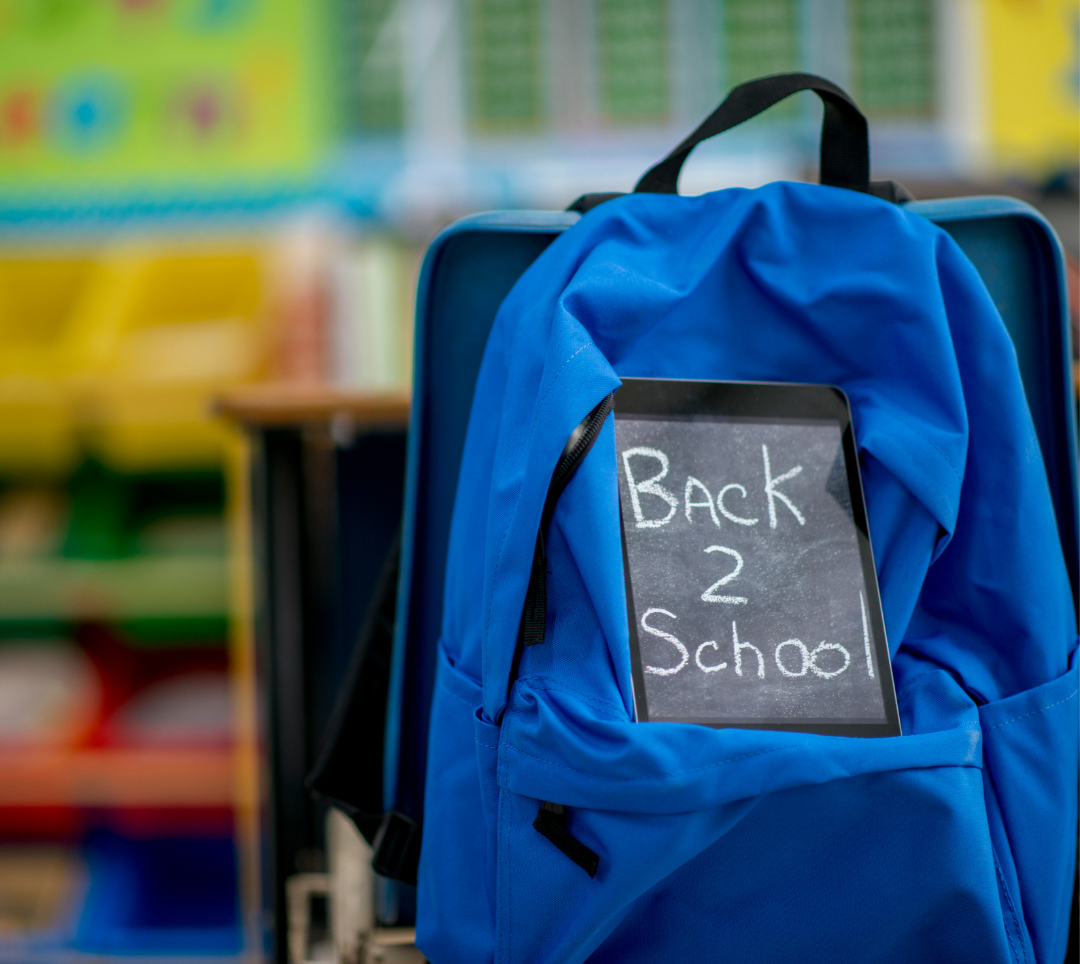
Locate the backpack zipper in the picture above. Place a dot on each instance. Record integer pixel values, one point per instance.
(534, 615)
(551, 818)
(577, 447)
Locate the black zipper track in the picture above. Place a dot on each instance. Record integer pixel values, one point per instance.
(551, 818)
(577, 447)
(534, 613)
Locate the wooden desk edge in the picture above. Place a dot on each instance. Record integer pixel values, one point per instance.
(276, 405)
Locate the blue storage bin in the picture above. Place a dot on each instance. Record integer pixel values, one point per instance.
(173, 896)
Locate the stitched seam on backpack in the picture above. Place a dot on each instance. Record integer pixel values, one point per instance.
(503, 803)
(510, 522)
(1034, 712)
(472, 707)
(1012, 913)
(914, 683)
(930, 442)
(713, 766)
(667, 776)
(560, 687)
(502, 946)
(460, 699)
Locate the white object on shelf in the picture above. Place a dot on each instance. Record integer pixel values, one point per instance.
(393, 945)
(299, 889)
(189, 709)
(352, 888)
(49, 693)
(349, 888)
(368, 341)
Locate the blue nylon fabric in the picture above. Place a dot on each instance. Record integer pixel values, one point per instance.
(951, 842)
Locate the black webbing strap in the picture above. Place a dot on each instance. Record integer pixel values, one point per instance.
(845, 143)
(349, 768)
(350, 763)
(585, 203)
(396, 847)
(551, 822)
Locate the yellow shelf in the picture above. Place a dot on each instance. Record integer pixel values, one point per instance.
(118, 356)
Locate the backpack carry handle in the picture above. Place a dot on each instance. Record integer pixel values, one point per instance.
(845, 143)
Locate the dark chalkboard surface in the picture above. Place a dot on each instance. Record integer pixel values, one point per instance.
(751, 589)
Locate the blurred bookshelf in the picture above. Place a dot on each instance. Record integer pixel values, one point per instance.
(118, 733)
(127, 697)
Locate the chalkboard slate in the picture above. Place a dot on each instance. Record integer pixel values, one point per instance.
(751, 591)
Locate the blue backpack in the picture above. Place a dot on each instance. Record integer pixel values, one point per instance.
(558, 829)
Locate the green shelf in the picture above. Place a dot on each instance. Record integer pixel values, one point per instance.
(131, 590)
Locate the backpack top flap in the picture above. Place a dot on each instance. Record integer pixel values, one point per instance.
(789, 282)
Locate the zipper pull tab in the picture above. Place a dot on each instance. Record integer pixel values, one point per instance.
(551, 822)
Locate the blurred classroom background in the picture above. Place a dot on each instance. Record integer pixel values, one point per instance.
(201, 194)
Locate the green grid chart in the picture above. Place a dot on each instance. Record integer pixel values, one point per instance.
(158, 93)
(760, 37)
(893, 55)
(504, 58)
(373, 66)
(632, 38)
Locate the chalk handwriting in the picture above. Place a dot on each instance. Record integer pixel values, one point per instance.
(684, 653)
(739, 647)
(804, 655)
(650, 486)
(822, 647)
(773, 493)
(749, 595)
(727, 513)
(808, 658)
(701, 665)
(708, 594)
(691, 484)
(866, 637)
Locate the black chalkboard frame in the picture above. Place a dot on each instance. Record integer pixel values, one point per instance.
(691, 400)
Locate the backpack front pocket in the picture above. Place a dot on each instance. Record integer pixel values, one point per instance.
(1030, 761)
(744, 845)
(457, 838)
